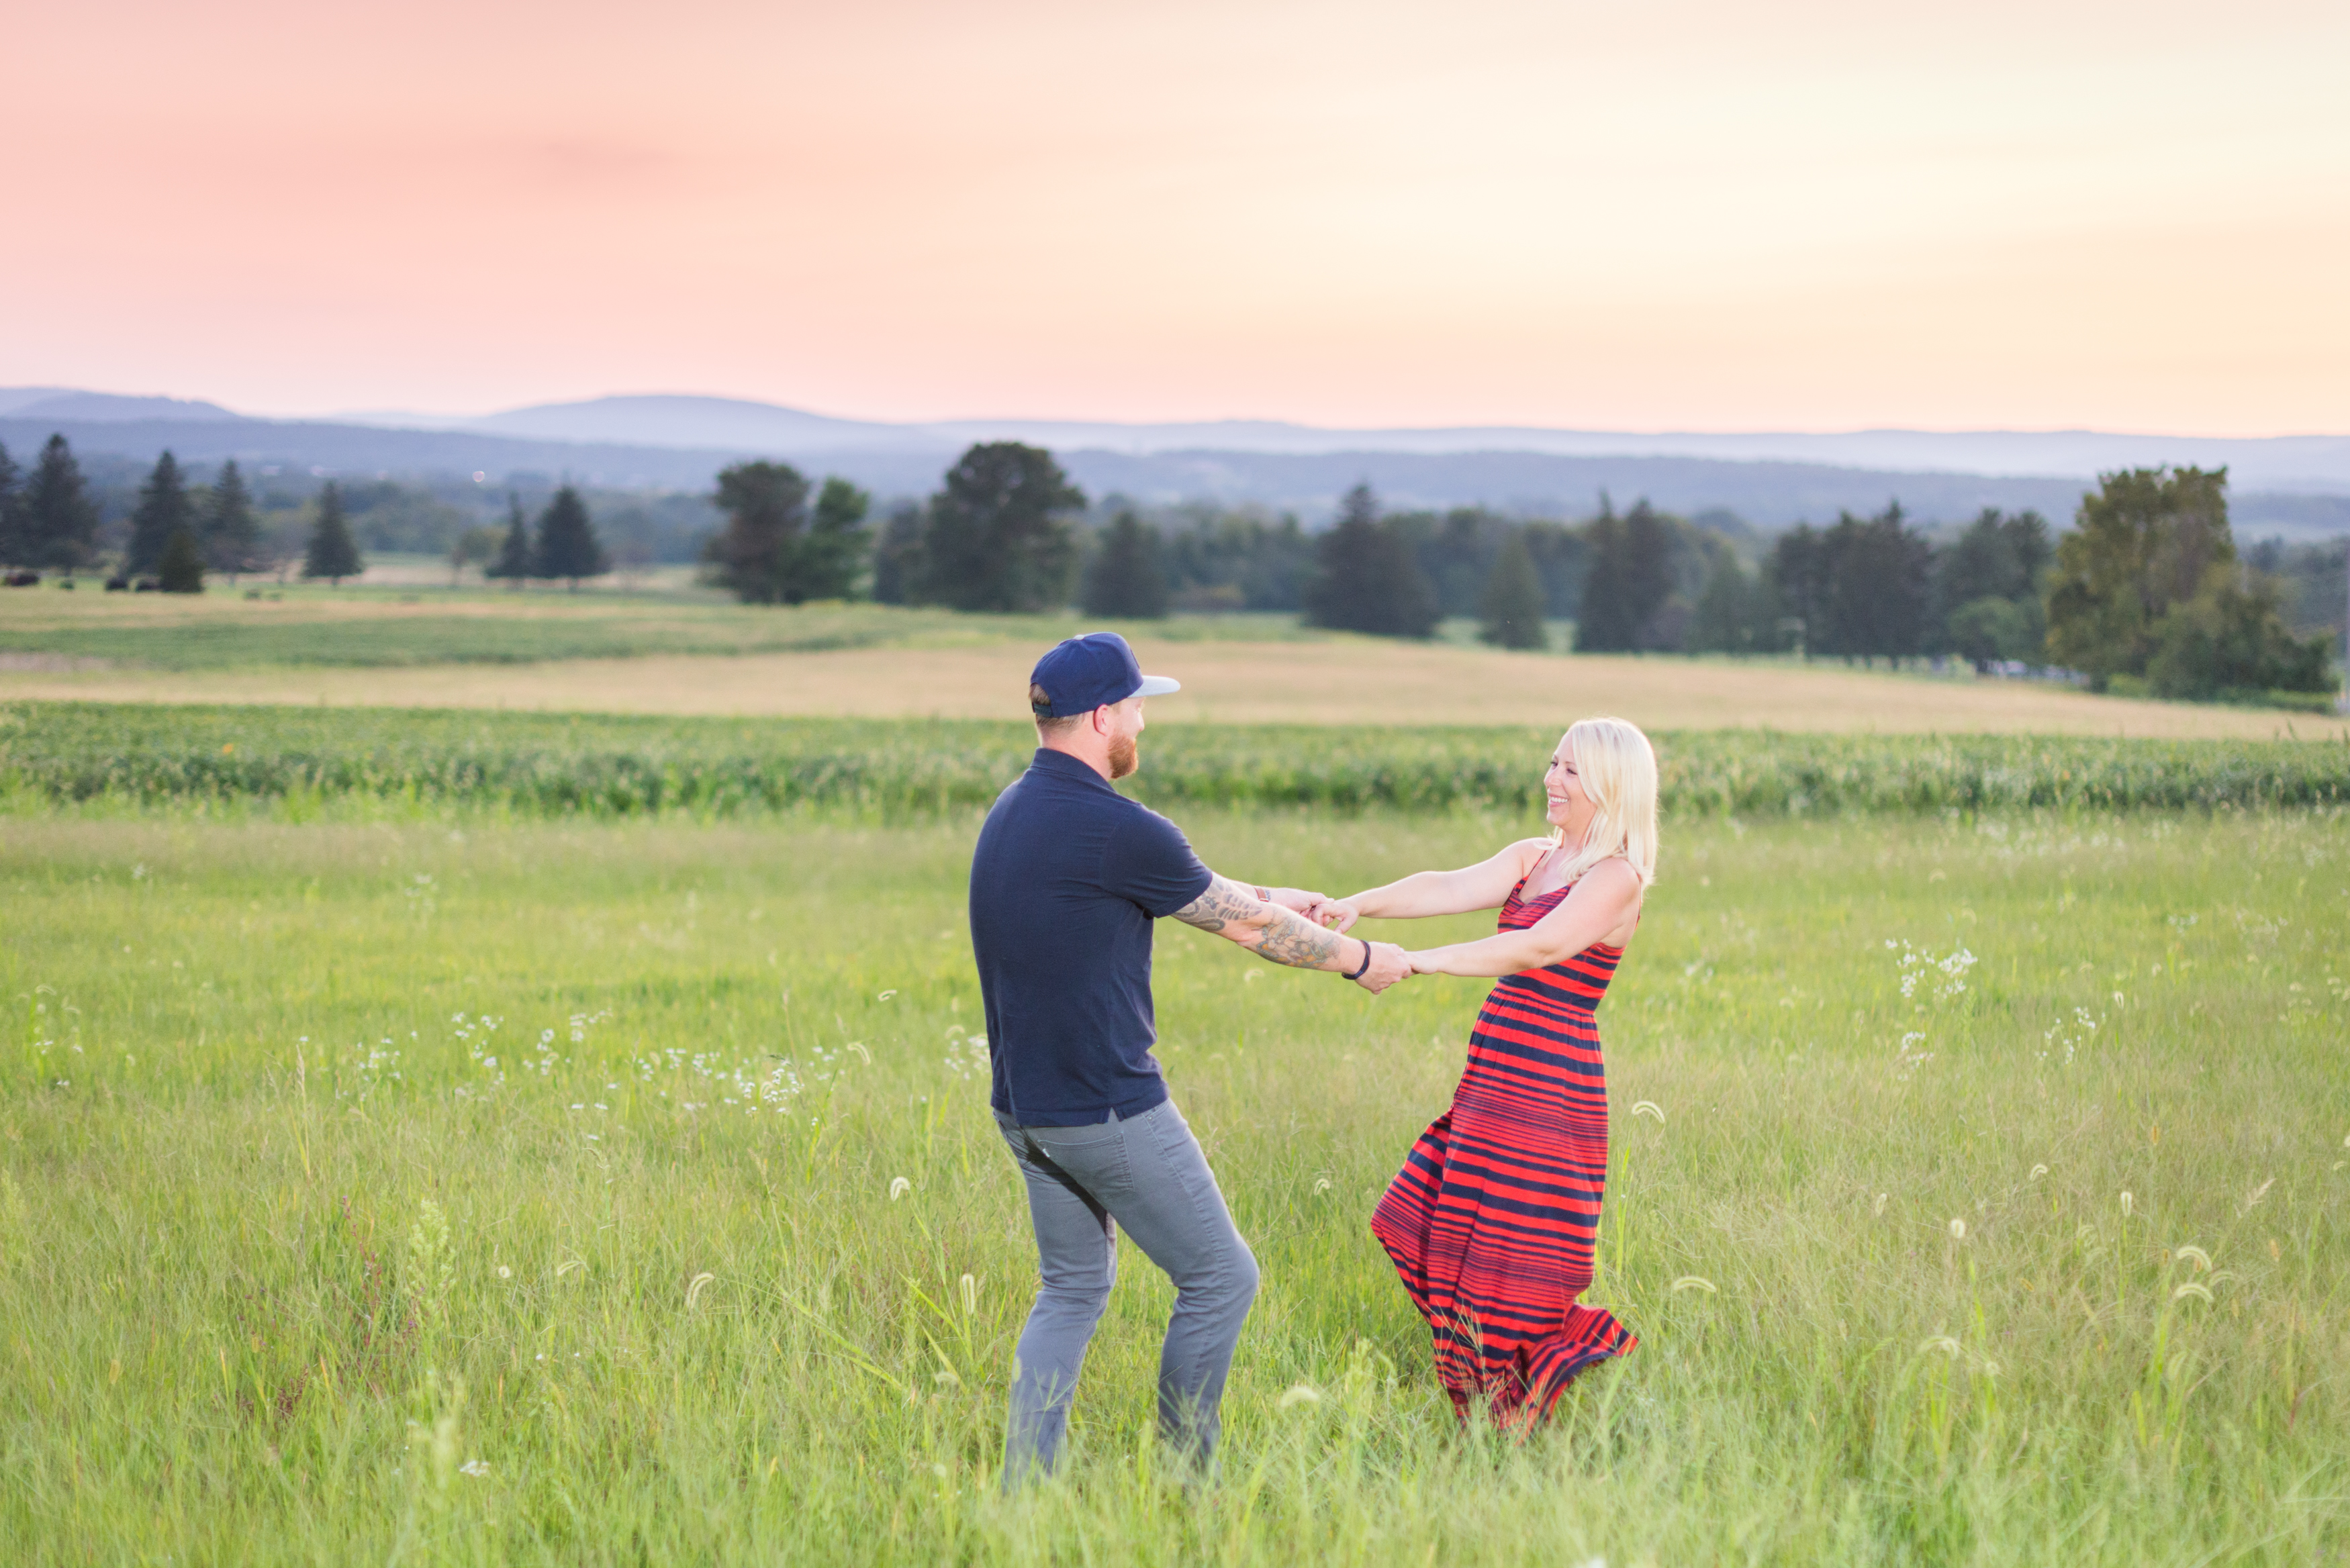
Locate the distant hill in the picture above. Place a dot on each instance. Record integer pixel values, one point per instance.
(2286, 462)
(663, 442)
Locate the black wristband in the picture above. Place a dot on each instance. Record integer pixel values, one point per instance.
(1364, 968)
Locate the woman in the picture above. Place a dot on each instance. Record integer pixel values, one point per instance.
(1492, 1220)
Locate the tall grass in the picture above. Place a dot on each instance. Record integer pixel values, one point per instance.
(597, 766)
(446, 1192)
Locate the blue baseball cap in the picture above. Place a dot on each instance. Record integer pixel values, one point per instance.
(1090, 672)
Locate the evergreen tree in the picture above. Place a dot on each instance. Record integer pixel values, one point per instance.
(767, 515)
(232, 539)
(60, 520)
(997, 536)
(1513, 600)
(1723, 619)
(1798, 575)
(1648, 572)
(1880, 581)
(332, 554)
(1367, 578)
(567, 545)
(898, 556)
(16, 546)
(182, 569)
(1604, 623)
(1128, 576)
(825, 565)
(163, 510)
(514, 559)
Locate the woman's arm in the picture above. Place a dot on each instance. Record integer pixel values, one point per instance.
(1604, 903)
(1480, 887)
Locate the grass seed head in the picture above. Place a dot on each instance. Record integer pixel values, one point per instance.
(693, 1288)
(2191, 1289)
(1298, 1394)
(1940, 1342)
(898, 1188)
(1958, 1229)
(1692, 1282)
(2196, 1255)
(2129, 1205)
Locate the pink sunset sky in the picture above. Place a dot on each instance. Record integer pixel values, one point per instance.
(1813, 215)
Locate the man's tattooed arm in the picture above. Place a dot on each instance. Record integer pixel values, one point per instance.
(1280, 936)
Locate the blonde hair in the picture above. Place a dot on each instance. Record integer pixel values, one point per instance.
(1619, 771)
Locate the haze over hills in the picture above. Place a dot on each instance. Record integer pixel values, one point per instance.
(2296, 485)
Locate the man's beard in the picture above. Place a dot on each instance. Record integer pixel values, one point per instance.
(1125, 756)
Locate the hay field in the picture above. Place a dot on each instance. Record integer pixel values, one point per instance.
(1341, 680)
(688, 653)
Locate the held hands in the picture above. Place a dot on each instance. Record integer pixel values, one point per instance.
(1334, 914)
(1389, 963)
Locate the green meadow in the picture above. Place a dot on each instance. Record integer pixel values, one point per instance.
(420, 1180)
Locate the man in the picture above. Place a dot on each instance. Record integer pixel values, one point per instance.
(1065, 882)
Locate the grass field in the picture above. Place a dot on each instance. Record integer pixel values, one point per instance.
(461, 1190)
(683, 653)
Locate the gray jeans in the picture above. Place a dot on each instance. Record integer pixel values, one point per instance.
(1147, 1174)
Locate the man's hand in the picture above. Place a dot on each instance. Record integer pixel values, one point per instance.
(1296, 900)
(1389, 963)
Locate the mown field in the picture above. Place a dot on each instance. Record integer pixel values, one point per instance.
(311, 625)
(680, 653)
(476, 1175)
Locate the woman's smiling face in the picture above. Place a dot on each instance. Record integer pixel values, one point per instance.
(1569, 809)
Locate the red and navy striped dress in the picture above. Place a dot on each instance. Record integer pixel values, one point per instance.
(1494, 1218)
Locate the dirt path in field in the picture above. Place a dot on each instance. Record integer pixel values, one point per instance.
(1340, 681)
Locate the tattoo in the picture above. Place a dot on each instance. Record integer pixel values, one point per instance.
(1224, 902)
(1275, 934)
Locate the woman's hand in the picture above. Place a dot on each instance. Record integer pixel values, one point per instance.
(1336, 914)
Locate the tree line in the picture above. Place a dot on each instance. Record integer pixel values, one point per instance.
(180, 532)
(2146, 593)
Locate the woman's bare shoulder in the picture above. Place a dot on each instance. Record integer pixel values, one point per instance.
(1525, 854)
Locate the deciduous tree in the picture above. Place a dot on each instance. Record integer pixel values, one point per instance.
(182, 569)
(829, 557)
(997, 534)
(2147, 588)
(767, 512)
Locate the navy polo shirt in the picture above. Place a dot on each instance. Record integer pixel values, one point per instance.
(1065, 884)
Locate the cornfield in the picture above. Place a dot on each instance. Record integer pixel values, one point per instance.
(556, 765)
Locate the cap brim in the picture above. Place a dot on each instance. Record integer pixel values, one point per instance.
(1157, 686)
